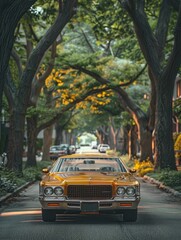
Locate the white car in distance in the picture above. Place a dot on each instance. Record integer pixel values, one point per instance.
(103, 148)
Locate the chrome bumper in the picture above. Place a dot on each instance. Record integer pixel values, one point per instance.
(64, 204)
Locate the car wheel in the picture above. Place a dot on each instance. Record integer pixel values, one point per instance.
(130, 215)
(48, 215)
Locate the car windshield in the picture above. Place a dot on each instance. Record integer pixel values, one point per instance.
(98, 165)
(55, 148)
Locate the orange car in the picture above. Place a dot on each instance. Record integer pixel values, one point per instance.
(89, 183)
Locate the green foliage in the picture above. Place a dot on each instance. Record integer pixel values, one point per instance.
(117, 71)
(98, 16)
(92, 123)
(169, 178)
(42, 112)
(31, 174)
(177, 108)
(137, 92)
(126, 119)
(80, 38)
(9, 181)
(43, 12)
(127, 48)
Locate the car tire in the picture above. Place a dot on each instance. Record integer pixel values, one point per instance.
(48, 215)
(130, 215)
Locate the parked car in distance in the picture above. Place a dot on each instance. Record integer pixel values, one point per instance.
(94, 144)
(89, 183)
(58, 150)
(98, 146)
(72, 149)
(103, 148)
(55, 152)
(77, 146)
(65, 148)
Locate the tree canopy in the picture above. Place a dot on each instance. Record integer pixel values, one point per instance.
(81, 58)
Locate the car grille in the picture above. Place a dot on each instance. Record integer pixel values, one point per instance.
(91, 192)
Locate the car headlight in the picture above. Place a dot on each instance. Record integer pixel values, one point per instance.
(48, 191)
(58, 191)
(130, 191)
(120, 191)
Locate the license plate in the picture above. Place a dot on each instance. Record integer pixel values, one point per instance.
(89, 207)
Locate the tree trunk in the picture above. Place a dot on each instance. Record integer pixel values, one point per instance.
(125, 140)
(132, 146)
(163, 133)
(112, 137)
(152, 47)
(99, 136)
(11, 147)
(58, 134)
(31, 136)
(47, 142)
(20, 98)
(105, 135)
(64, 136)
(146, 145)
(134, 138)
(17, 141)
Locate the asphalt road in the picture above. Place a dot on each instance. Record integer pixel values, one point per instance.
(159, 218)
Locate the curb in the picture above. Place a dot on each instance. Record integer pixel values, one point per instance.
(7, 196)
(161, 186)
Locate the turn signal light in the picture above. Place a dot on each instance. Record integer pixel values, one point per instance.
(53, 204)
(126, 204)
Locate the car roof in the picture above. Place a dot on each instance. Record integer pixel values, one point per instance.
(55, 146)
(90, 155)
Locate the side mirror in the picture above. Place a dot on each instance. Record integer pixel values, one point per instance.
(132, 170)
(45, 170)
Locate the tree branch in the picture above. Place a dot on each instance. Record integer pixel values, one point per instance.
(17, 59)
(38, 83)
(70, 106)
(147, 41)
(87, 41)
(174, 61)
(33, 33)
(10, 89)
(126, 101)
(38, 53)
(162, 26)
(106, 81)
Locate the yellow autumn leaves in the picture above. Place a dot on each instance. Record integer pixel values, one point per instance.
(69, 86)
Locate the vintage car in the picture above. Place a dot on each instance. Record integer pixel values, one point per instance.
(55, 152)
(58, 150)
(103, 148)
(89, 184)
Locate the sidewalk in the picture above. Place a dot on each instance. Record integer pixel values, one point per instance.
(161, 186)
(9, 195)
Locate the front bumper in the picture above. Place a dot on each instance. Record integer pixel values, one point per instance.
(116, 205)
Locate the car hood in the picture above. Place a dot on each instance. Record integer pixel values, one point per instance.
(89, 178)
